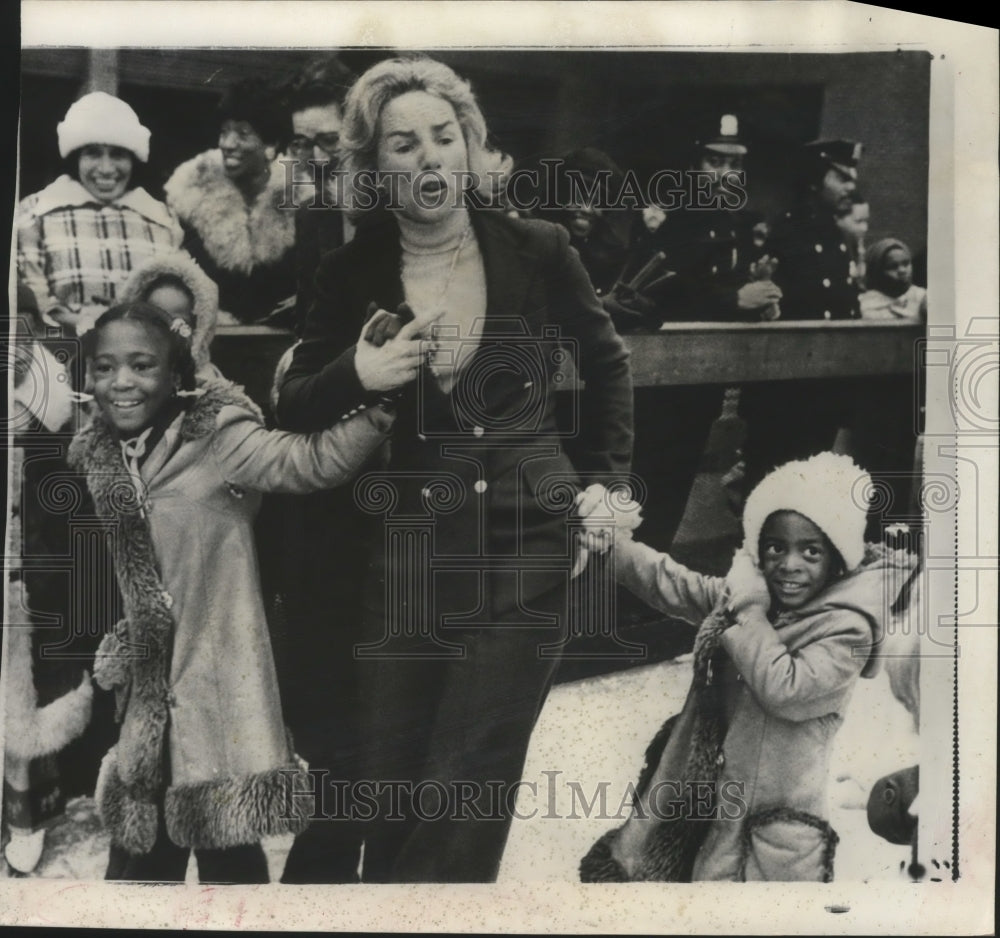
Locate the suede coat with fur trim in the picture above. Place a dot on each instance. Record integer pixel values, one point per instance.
(246, 248)
(202, 736)
(735, 785)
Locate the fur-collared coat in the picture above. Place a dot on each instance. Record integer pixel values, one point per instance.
(202, 736)
(247, 249)
(747, 757)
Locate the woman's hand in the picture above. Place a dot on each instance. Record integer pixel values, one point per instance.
(607, 515)
(396, 360)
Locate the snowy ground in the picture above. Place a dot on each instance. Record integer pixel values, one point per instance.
(595, 731)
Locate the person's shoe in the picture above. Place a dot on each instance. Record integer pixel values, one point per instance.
(24, 849)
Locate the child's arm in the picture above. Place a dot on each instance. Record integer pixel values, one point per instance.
(802, 684)
(247, 455)
(659, 581)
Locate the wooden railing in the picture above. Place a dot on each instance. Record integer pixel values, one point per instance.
(681, 353)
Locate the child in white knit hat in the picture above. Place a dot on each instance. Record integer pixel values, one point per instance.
(735, 785)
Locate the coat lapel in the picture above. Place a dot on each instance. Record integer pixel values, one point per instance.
(508, 267)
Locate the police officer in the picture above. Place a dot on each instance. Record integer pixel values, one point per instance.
(812, 251)
(707, 243)
(794, 419)
(707, 251)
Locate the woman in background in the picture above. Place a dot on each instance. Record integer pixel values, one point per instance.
(80, 237)
(229, 201)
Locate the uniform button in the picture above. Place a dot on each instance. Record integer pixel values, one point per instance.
(715, 269)
(843, 248)
(826, 281)
(478, 431)
(480, 486)
(711, 234)
(819, 248)
(826, 314)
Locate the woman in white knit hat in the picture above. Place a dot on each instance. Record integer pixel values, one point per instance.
(79, 238)
(735, 785)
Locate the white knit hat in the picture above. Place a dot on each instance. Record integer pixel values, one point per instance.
(102, 118)
(828, 489)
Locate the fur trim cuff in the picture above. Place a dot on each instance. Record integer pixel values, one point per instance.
(33, 731)
(234, 811)
(131, 821)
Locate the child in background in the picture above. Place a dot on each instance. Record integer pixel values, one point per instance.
(735, 786)
(176, 284)
(203, 760)
(891, 292)
(48, 693)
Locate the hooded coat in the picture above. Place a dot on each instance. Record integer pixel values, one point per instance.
(247, 249)
(747, 758)
(206, 300)
(202, 736)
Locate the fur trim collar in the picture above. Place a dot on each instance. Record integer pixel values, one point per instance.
(670, 847)
(180, 264)
(238, 236)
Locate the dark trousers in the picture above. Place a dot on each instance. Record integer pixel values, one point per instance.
(672, 426)
(453, 733)
(167, 863)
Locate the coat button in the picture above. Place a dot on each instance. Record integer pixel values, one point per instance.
(480, 486)
(826, 281)
(715, 269)
(711, 234)
(478, 431)
(843, 248)
(819, 248)
(826, 314)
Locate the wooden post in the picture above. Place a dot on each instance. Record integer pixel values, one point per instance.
(102, 71)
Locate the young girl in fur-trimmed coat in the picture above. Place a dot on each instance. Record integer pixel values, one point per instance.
(734, 787)
(203, 760)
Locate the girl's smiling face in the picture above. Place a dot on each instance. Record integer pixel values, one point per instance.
(796, 558)
(132, 376)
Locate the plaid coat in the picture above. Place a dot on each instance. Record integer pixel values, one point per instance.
(76, 252)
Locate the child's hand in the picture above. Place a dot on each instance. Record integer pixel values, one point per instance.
(746, 584)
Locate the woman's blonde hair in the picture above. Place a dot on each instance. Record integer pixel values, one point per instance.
(391, 78)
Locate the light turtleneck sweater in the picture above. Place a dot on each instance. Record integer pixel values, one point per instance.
(443, 269)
